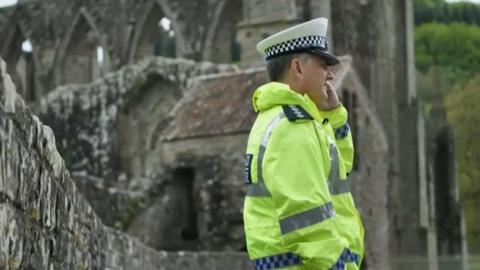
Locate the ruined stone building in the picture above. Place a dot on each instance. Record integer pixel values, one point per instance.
(149, 104)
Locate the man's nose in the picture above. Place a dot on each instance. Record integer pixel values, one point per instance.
(330, 75)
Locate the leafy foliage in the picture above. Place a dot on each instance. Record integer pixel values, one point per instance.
(447, 50)
(453, 46)
(445, 55)
(442, 12)
(462, 113)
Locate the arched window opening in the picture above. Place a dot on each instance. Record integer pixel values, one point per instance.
(83, 55)
(156, 36)
(100, 56)
(25, 68)
(18, 55)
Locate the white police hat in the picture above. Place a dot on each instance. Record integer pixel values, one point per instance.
(308, 37)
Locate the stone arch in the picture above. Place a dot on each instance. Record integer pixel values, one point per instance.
(20, 62)
(221, 45)
(150, 38)
(79, 55)
(142, 118)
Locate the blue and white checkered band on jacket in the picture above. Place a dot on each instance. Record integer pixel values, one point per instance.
(297, 44)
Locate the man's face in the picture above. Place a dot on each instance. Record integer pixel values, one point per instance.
(316, 74)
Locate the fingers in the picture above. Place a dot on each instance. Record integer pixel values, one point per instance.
(329, 87)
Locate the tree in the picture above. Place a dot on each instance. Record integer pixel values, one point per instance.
(453, 46)
(464, 12)
(447, 48)
(462, 113)
(446, 55)
(439, 11)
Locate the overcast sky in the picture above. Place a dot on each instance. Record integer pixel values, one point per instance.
(4, 3)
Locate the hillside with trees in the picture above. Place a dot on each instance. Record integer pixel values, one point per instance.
(447, 45)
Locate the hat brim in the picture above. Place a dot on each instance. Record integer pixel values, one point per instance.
(329, 57)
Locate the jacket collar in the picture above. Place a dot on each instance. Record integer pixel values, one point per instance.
(277, 94)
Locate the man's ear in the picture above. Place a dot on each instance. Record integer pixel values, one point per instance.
(296, 68)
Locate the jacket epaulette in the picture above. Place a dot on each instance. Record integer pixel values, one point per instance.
(296, 112)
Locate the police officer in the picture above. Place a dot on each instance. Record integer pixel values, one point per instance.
(299, 212)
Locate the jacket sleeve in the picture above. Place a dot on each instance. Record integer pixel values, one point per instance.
(294, 170)
(338, 120)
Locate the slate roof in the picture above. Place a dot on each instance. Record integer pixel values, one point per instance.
(221, 104)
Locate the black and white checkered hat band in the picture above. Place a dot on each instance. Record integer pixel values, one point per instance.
(308, 42)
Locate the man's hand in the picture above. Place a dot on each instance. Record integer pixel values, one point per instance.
(332, 101)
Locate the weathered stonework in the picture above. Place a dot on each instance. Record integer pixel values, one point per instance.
(379, 36)
(106, 130)
(370, 174)
(256, 24)
(381, 44)
(65, 36)
(44, 221)
(204, 136)
(110, 131)
(219, 126)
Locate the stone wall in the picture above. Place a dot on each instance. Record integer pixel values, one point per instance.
(370, 173)
(378, 34)
(220, 191)
(221, 175)
(106, 130)
(256, 24)
(44, 221)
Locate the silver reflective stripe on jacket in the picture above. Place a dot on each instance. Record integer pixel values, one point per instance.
(307, 218)
(259, 189)
(336, 185)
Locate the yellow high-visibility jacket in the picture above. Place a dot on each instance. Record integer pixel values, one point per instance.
(299, 212)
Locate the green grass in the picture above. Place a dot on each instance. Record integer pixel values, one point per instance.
(474, 263)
